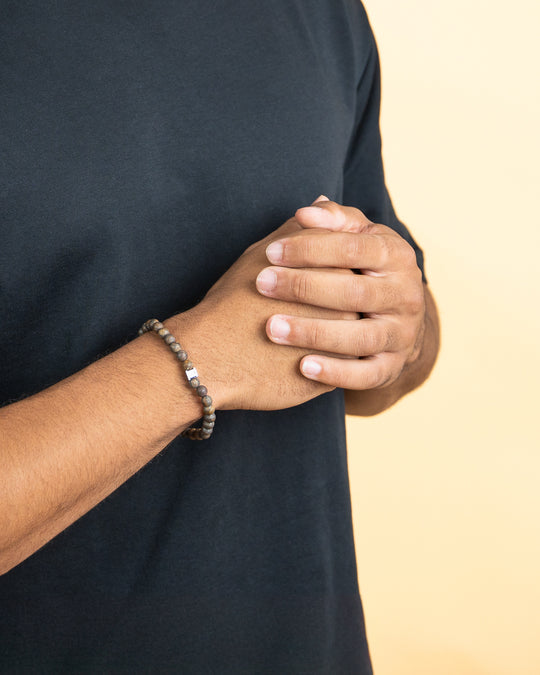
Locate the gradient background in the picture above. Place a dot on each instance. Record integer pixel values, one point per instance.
(446, 485)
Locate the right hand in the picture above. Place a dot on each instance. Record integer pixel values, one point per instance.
(226, 338)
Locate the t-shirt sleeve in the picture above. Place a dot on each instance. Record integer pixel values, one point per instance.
(364, 183)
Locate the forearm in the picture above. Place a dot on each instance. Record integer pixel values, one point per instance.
(373, 401)
(68, 447)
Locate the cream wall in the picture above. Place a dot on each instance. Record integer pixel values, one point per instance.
(446, 486)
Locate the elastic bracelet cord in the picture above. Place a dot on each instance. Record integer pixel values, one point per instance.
(209, 417)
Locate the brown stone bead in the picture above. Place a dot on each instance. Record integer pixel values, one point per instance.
(209, 419)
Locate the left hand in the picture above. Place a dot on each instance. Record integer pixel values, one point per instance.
(388, 293)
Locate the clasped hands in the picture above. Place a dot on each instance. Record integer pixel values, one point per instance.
(315, 266)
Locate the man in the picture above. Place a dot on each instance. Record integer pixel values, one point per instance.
(147, 145)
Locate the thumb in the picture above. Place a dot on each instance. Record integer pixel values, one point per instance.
(328, 215)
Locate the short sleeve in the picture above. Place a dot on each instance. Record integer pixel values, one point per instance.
(364, 184)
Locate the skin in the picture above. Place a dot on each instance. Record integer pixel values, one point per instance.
(68, 447)
(394, 345)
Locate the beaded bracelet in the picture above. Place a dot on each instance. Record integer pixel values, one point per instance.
(209, 418)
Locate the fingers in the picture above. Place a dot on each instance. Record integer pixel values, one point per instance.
(326, 288)
(349, 338)
(380, 251)
(327, 214)
(356, 354)
(370, 373)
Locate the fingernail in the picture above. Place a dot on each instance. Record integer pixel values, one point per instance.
(279, 328)
(274, 252)
(267, 280)
(321, 198)
(311, 368)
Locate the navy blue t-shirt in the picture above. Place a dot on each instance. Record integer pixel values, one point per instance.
(144, 146)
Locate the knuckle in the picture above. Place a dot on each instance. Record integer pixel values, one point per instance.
(368, 343)
(408, 254)
(390, 339)
(386, 250)
(331, 340)
(301, 285)
(308, 248)
(316, 334)
(338, 213)
(372, 342)
(391, 296)
(353, 293)
(301, 250)
(417, 300)
(355, 250)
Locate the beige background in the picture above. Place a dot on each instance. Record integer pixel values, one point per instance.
(446, 486)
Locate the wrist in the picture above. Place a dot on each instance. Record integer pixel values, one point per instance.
(194, 333)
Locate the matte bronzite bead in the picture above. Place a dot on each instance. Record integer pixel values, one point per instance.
(206, 401)
(202, 390)
(169, 339)
(194, 383)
